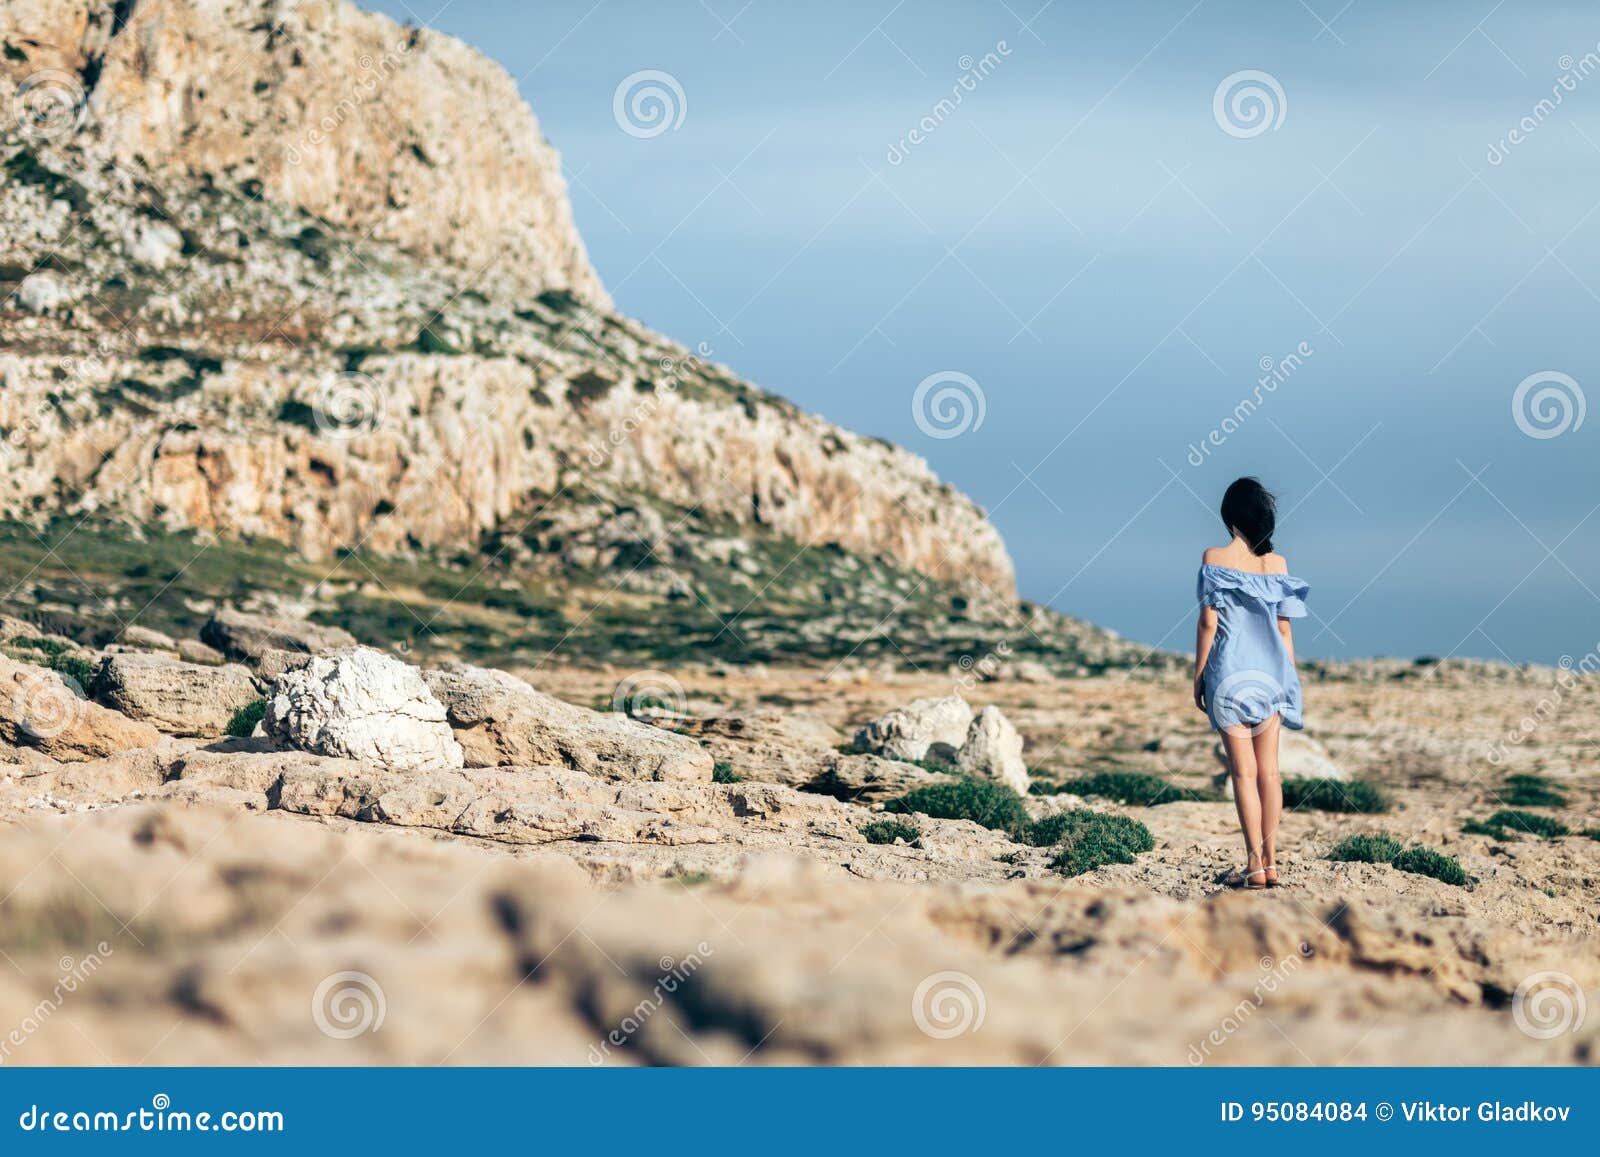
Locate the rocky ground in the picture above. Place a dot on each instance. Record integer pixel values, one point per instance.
(690, 728)
(445, 864)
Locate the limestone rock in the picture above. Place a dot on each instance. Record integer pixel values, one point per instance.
(134, 635)
(872, 779)
(243, 636)
(500, 720)
(908, 732)
(48, 712)
(153, 243)
(993, 750)
(180, 698)
(42, 292)
(194, 651)
(360, 704)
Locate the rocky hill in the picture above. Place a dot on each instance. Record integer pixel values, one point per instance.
(292, 273)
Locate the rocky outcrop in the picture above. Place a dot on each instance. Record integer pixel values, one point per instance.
(802, 750)
(49, 713)
(180, 698)
(993, 750)
(331, 111)
(923, 729)
(360, 704)
(394, 342)
(501, 721)
(248, 637)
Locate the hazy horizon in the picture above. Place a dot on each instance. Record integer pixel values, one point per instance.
(1084, 237)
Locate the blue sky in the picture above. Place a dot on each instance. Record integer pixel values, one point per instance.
(1085, 240)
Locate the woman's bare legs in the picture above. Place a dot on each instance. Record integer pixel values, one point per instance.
(1239, 745)
(1269, 788)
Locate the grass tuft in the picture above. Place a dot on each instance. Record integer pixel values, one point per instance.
(1375, 848)
(1332, 795)
(1138, 788)
(1427, 862)
(994, 805)
(1508, 824)
(888, 831)
(1529, 791)
(1086, 840)
(245, 719)
(724, 773)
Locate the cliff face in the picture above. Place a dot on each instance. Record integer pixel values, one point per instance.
(404, 135)
(288, 270)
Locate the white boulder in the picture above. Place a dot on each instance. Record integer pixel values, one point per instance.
(41, 292)
(908, 732)
(360, 704)
(993, 750)
(153, 243)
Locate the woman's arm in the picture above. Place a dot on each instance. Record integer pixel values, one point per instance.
(1205, 633)
(1287, 632)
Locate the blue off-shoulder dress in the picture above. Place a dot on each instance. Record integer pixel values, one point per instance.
(1249, 676)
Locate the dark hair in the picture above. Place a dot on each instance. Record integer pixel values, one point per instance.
(1250, 511)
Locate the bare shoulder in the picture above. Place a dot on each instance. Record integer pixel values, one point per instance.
(1276, 564)
(1213, 555)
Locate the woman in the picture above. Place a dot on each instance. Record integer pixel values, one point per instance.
(1244, 675)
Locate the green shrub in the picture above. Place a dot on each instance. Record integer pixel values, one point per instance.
(1332, 795)
(724, 773)
(1130, 787)
(888, 831)
(49, 647)
(431, 341)
(1529, 791)
(1507, 824)
(297, 413)
(245, 719)
(994, 805)
(1086, 840)
(1593, 833)
(81, 671)
(1375, 848)
(1427, 862)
